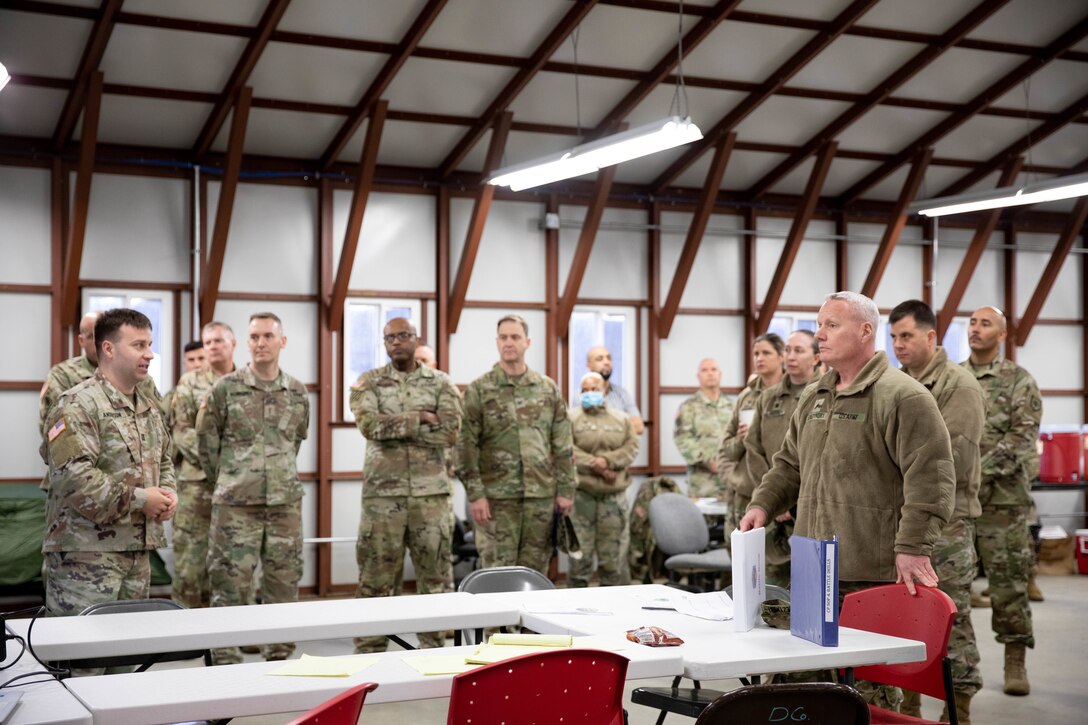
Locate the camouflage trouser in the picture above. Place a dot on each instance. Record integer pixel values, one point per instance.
(733, 516)
(387, 526)
(704, 484)
(241, 537)
(600, 520)
(640, 546)
(191, 527)
(1004, 543)
(778, 553)
(518, 534)
(77, 579)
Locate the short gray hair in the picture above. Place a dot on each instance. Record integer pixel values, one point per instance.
(865, 309)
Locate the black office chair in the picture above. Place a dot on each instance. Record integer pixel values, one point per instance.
(501, 579)
(140, 661)
(818, 702)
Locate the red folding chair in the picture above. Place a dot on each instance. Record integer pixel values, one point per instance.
(890, 609)
(343, 709)
(556, 686)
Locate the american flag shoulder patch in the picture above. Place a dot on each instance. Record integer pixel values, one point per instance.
(59, 427)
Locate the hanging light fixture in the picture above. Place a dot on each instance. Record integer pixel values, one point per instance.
(675, 130)
(1064, 187)
(4, 76)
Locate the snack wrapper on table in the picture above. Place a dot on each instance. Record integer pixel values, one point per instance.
(654, 637)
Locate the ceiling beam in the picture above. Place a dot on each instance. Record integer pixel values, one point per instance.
(521, 79)
(703, 210)
(661, 70)
(586, 238)
(364, 182)
(1017, 147)
(879, 93)
(88, 141)
(217, 248)
(480, 209)
(1073, 228)
(393, 64)
(776, 80)
(93, 51)
(239, 76)
(954, 120)
(899, 220)
(796, 234)
(985, 229)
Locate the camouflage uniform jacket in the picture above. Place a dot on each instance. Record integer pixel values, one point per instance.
(959, 398)
(1013, 412)
(187, 397)
(698, 429)
(871, 464)
(104, 450)
(774, 409)
(605, 433)
(516, 439)
(731, 448)
(249, 433)
(405, 457)
(69, 373)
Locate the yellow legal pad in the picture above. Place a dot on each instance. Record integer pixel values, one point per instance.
(439, 664)
(307, 666)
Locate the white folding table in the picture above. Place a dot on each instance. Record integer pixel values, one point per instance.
(42, 702)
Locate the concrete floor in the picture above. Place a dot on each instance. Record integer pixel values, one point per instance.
(1057, 667)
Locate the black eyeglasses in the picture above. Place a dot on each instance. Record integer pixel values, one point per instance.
(402, 336)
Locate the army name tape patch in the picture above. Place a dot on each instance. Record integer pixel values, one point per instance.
(59, 427)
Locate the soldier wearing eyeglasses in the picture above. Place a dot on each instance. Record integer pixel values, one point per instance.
(410, 414)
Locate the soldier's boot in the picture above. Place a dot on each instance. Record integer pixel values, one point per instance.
(912, 704)
(963, 708)
(979, 601)
(1034, 593)
(1016, 672)
(250, 649)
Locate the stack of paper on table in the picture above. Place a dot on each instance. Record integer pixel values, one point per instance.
(310, 666)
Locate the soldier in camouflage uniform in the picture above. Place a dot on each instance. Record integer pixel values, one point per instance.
(194, 492)
(700, 424)
(515, 456)
(774, 409)
(959, 398)
(1013, 412)
(410, 415)
(249, 429)
(643, 545)
(767, 355)
(111, 478)
(605, 444)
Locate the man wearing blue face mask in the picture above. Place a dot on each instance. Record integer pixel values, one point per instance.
(605, 444)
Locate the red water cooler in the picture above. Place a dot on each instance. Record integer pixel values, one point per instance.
(1060, 454)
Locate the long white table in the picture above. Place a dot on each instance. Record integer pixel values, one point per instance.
(711, 650)
(68, 638)
(42, 702)
(208, 693)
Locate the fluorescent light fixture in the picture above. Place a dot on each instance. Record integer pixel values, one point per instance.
(1064, 187)
(589, 157)
(4, 76)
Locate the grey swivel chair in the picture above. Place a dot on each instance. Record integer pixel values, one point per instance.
(501, 579)
(681, 533)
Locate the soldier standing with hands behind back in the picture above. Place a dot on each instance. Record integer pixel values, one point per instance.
(249, 428)
(410, 415)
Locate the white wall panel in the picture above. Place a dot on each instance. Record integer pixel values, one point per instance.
(348, 449)
(695, 337)
(902, 279)
(24, 225)
(309, 529)
(813, 270)
(19, 427)
(510, 262)
(717, 274)
(346, 509)
(1052, 356)
(26, 319)
(1064, 300)
(271, 243)
(1063, 410)
(396, 245)
(307, 452)
(670, 454)
(137, 229)
(473, 351)
(299, 358)
(617, 267)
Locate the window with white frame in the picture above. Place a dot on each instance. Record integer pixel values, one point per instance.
(612, 327)
(364, 320)
(159, 308)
